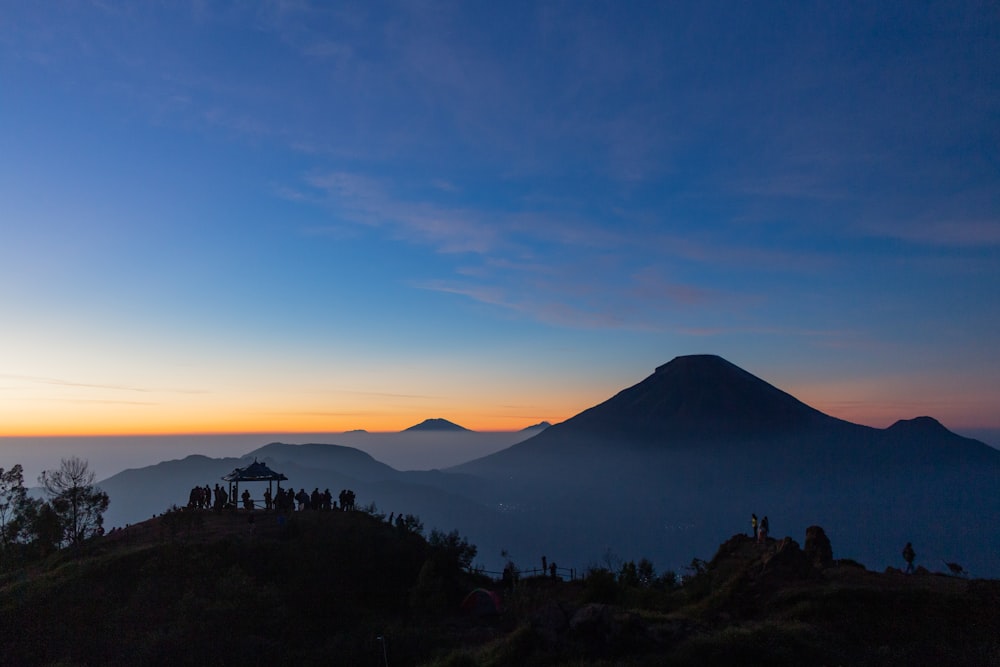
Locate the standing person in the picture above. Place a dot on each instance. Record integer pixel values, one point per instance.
(762, 530)
(753, 525)
(908, 556)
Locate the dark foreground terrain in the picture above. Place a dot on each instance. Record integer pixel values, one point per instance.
(349, 589)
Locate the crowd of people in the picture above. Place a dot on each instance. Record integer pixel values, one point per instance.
(203, 497)
(285, 500)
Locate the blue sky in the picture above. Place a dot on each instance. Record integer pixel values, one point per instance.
(283, 216)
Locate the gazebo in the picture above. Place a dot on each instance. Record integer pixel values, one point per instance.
(255, 472)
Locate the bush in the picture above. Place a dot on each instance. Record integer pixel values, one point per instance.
(599, 585)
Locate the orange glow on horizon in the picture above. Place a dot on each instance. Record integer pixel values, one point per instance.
(393, 424)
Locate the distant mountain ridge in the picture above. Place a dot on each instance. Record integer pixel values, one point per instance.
(436, 424)
(540, 426)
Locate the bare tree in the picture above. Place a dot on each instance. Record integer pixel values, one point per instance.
(79, 504)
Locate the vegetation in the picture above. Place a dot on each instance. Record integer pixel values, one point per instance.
(79, 504)
(31, 528)
(320, 587)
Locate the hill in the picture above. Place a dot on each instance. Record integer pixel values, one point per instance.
(200, 587)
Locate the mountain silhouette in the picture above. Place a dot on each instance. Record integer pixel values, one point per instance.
(697, 401)
(700, 397)
(345, 460)
(701, 443)
(436, 425)
(540, 426)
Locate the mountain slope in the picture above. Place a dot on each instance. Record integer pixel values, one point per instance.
(698, 396)
(688, 453)
(692, 402)
(345, 460)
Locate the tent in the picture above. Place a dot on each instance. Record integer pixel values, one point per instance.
(481, 602)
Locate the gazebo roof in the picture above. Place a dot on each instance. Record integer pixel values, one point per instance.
(255, 472)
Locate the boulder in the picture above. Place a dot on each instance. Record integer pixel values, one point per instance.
(787, 562)
(818, 549)
(550, 621)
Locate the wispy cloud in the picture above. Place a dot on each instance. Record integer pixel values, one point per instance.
(92, 385)
(950, 233)
(367, 201)
(555, 267)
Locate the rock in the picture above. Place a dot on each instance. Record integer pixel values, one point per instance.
(602, 625)
(592, 618)
(818, 549)
(788, 561)
(550, 621)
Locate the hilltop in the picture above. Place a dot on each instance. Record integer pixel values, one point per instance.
(193, 587)
(201, 587)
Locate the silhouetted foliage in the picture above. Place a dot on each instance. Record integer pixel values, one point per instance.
(600, 586)
(410, 524)
(13, 503)
(452, 549)
(43, 528)
(79, 504)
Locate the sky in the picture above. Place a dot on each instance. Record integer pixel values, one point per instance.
(315, 217)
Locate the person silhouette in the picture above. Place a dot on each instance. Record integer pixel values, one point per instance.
(762, 529)
(908, 555)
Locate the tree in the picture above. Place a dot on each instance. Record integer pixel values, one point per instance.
(410, 523)
(13, 500)
(79, 504)
(43, 528)
(452, 549)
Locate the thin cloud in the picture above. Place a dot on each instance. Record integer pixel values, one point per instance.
(91, 385)
(948, 233)
(103, 402)
(367, 201)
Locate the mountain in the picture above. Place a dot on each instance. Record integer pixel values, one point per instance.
(688, 453)
(540, 426)
(698, 397)
(664, 470)
(436, 425)
(345, 460)
(140, 493)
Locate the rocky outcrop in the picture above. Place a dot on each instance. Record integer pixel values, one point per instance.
(818, 549)
(787, 562)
